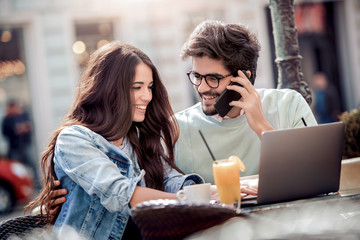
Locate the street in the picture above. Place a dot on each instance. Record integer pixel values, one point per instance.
(17, 212)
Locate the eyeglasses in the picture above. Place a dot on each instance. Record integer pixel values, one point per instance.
(210, 79)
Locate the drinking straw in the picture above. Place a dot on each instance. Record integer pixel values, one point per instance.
(304, 121)
(202, 136)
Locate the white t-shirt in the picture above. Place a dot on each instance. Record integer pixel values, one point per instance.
(283, 108)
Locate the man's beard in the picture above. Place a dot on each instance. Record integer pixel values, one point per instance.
(208, 110)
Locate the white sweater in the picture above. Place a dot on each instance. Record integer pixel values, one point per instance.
(283, 108)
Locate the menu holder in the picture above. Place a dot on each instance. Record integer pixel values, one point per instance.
(169, 219)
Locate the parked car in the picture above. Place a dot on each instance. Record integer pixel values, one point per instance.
(16, 184)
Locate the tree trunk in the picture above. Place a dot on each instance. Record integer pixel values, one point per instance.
(288, 59)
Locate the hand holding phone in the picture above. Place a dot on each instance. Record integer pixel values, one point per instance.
(222, 102)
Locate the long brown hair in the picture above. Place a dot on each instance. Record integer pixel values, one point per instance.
(103, 104)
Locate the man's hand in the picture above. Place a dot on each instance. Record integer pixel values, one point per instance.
(245, 190)
(56, 199)
(249, 185)
(251, 103)
(248, 190)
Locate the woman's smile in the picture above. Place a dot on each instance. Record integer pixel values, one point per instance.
(141, 108)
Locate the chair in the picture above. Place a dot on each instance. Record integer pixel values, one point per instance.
(21, 226)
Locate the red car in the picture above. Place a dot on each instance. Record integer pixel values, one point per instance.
(16, 184)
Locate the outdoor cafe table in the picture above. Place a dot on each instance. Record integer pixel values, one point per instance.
(326, 217)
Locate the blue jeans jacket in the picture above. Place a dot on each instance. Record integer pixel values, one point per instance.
(100, 179)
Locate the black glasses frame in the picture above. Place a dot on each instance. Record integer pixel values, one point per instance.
(218, 78)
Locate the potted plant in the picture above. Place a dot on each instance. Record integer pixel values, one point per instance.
(352, 133)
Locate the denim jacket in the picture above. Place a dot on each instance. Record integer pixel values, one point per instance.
(100, 179)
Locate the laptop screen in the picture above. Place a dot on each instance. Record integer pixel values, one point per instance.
(299, 163)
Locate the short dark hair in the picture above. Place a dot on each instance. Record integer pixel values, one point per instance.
(233, 44)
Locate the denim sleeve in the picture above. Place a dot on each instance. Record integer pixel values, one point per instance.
(174, 181)
(81, 159)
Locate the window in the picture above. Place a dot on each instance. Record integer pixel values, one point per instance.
(89, 37)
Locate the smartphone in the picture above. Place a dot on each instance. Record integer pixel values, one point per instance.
(222, 102)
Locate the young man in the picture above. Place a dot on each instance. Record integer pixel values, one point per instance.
(219, 52)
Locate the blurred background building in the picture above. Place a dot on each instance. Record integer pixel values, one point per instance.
(44, 45)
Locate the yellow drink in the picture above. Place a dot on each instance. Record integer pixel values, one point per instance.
(227, 180)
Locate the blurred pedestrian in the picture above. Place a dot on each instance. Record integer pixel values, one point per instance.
(17, 128)
(327, 100)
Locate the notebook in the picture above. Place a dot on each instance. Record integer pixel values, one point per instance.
(299, 163)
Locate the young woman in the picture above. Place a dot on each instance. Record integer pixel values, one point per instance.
(120, 127)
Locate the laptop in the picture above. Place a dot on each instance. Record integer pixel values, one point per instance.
(299, 163)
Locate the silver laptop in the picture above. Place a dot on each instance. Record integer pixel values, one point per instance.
(299, 163)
